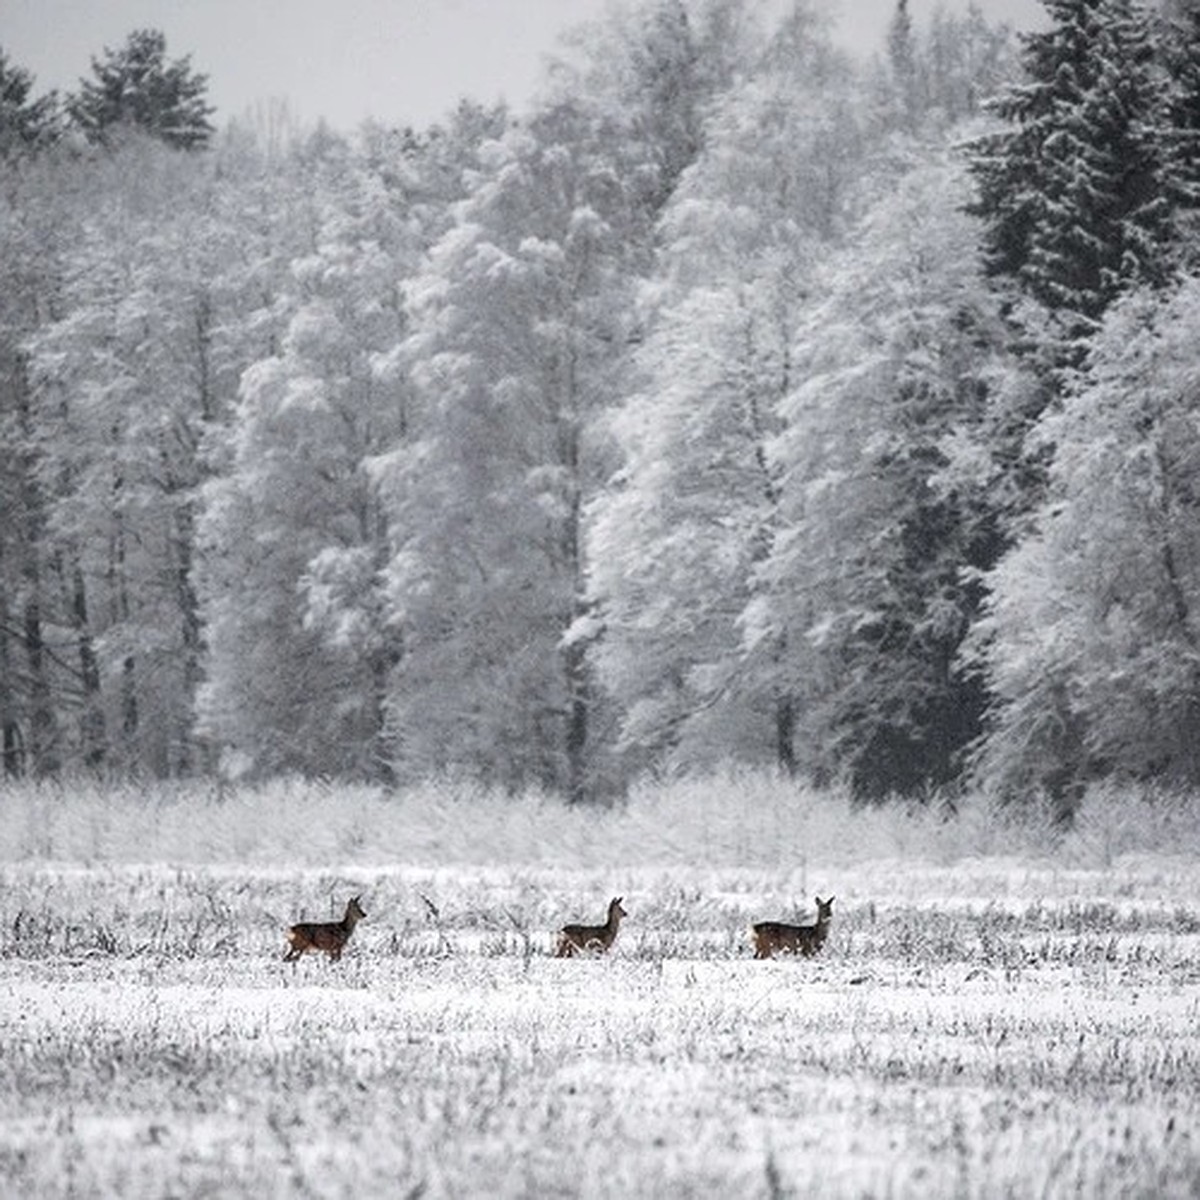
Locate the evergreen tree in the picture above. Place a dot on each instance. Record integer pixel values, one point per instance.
(137, 86)
(25, 123)
(902, 61)
(1075, 195)
(1178, 38)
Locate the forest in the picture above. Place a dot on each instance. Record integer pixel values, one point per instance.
(737, 404)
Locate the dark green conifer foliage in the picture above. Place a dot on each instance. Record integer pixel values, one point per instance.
(25, 123)
(1076, 193)
(137, 86)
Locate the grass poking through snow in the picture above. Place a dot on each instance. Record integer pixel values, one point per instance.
(992, 1015)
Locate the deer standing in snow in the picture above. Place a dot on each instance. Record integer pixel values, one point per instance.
(575, 939)
(329, 936)
(773, 936)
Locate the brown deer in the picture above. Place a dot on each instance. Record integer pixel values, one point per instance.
(330, 936)
(576, 939)
(772, 936)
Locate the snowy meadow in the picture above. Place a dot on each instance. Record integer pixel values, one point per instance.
(1000, 1010)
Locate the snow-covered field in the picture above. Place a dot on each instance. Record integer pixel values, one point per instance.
(979, 1024)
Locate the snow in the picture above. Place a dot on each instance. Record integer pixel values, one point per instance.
(984, 1027)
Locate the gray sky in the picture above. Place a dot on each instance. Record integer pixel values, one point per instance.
(402, 61)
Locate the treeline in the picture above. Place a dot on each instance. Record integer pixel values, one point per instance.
(737, 403)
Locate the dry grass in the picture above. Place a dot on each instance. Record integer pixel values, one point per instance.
(981, 1027)
(734, 821)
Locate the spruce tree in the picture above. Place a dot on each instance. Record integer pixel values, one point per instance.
(1179, 41)
(1074, 194)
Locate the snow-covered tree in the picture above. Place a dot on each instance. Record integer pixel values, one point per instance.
(25, 123)
(521, 324)
(513, 335)
(966, 60)
(34, 225)
(902, 62)
(648, 71)
(1178, 38)
(136, 290)
(865, 584)
(1091, 641)
(673, 543)
(293, 531)
(937, 72)
(126, 383)
(136, 86)
(1075, 192)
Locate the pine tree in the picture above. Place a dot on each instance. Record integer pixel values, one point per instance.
(137, 86)
(902, 60)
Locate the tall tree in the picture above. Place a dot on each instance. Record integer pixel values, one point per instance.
(42, 205)
(738, 245)
(902, 61)
(865, 583)
(293, 532)
(136, 85)
(1178, 38)
(128, 381)
(966, 60)
(1091, 641)
(649, 72)
(521, 327)
(512, 337)
(1075, 194)
(25, 123)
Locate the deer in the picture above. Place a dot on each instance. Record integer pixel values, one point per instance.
(772, 936)
(577, 939)
(330, 936)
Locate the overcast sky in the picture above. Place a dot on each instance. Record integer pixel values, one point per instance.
(405, 62)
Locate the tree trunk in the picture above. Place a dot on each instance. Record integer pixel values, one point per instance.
(93, 726)
(785, 733)
(577, 723)
(44, 738)
(190, 633)
(40, 750)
